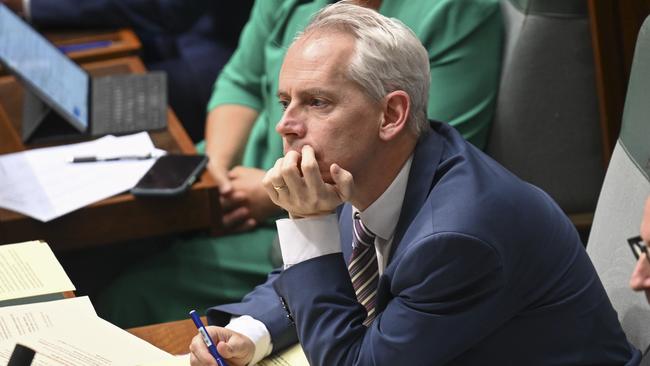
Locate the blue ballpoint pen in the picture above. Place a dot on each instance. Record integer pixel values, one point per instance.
(206, 338)
(84, 46)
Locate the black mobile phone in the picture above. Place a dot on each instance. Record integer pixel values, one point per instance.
(170, 175)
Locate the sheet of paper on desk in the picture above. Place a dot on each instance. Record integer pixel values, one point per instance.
(43, 184)
(20, 320)
(30, 269)
(177, 360)
(70, 334)
(292, 356)
(95, 342)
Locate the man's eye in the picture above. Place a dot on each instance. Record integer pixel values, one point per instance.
(284, 104)
(318, 102)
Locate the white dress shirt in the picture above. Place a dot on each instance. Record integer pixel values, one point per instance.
(308, 238)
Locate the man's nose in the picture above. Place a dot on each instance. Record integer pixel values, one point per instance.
(292, 124)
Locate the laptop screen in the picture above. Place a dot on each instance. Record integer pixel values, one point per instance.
(47, 72)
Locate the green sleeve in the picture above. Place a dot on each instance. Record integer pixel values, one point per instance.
(464, 39)
(240, 81)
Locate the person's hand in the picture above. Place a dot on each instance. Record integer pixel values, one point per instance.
(246, 204)
(220, 175)
(235, 348)
(295, 184)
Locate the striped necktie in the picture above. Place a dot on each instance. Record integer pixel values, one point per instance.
(363, 268)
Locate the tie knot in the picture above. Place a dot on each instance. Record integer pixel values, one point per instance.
(362, 234)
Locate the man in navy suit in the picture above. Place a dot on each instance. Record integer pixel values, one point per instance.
(438, 254)
(190, 40)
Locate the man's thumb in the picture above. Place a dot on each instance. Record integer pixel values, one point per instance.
(343, 181)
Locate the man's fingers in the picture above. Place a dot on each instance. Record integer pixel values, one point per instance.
(309, 168)
(291, 173)
(239, 349)
(343, 181)
(225, 350)
(295, 183)
(200, 352)
(273, 179)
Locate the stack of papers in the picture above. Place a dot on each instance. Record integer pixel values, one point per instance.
(30, 272)
(43, 184)
(292, 356)
(62, 332)
(69, 333)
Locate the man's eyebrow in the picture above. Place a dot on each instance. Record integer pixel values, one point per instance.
(317, 91)
(308, 91)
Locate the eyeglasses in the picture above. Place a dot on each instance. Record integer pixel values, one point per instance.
(638, 247)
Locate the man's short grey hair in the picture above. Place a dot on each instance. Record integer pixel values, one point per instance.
(388, 56)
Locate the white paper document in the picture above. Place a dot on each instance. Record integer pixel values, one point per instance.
(68, 333)
(177, 360)
(22, 320)
(43, 184)
(292, 356)
(30, 269)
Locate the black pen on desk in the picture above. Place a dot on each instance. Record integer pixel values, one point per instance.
(95, 159)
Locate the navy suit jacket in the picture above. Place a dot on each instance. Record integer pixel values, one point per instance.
(191, 40)
(484, 269)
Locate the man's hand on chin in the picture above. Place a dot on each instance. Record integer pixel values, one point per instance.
(295, 184)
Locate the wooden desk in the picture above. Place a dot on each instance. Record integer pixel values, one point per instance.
(118, 218)
(123, 42)
(173, 337)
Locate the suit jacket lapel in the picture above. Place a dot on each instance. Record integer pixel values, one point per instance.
(425, 162)
(426, 158)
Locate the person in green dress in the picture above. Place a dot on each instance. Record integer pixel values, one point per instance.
(463, 39)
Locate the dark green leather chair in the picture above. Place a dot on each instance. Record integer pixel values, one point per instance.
(546, 127)
(622, 198)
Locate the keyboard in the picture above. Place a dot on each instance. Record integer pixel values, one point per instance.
(129, 103)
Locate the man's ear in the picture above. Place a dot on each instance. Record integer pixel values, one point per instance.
(397, 105)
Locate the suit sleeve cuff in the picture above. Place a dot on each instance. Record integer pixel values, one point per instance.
(308, 238)
(257, 332)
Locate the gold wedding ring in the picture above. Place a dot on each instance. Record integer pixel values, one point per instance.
(279, 188)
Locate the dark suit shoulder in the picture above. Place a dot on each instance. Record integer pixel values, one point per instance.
(457, 268)
(472, 195)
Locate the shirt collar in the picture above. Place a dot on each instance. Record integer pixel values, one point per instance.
(382, 215)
